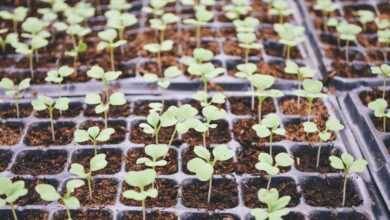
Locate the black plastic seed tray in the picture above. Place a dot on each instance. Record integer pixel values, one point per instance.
(238, 177)
(364, 53)
(373, 142)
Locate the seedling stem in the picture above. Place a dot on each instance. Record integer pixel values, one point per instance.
(13, 211)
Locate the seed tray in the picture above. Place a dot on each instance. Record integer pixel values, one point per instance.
(219, 36)
(364, 53)
(373, 142)
(368, 205)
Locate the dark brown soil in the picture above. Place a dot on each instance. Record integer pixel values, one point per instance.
(328, 192)
(100, 214)
(296, 133)
(138, 136)
(74, 110)
(243, 132)
(40, 134)
(32, 197)
(306, 158)
(352, 70)
(205, 216)
(290, 106)
(224, 194)
(103, 193)
(276, 49)
(113, 112)
(28, 214)
(118, 125)
(338, 216)
(113, 157)
(218, 135)
(142, 107)
(8, 110)
(10, 133)
(242, 106)
(135, 153)
(5, 159)
(232, 48)
(156, 215)
(167, 194)
(247, 157)
(221, 167)
(285, 186)
(40, 162)
(274, 68)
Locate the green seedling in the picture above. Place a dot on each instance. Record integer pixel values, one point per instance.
(84, 10)
(384, 38)
(246, 71)
(276, 206)
(202, 17)
(49, 104)
(161, 24)
(269, 126)
(301, 72)
(312, 89)
(247, 41)
(119, 5)
(15, 91)
(57, 76)
(140, 180)
(156, 7)
(247, 25)
(120, 21)
(98, 162)
(204, 99)
(16, 16)
(203, 164)
(108, 42)
(379, 106)
(158, 49)
(365, 17)
(11, 191)
(48, 193)
(383, 71)
(103, 103)
(331, 125)
(211, 114)
(266, 163)
(237, 9)
(262, 84)
(327, 7)
(382, 22)
(280, 8)
(347, 163)
(93, 134)
(290, 36)
(348, 33)
(7, 39)
(77, 33)
(170, 74)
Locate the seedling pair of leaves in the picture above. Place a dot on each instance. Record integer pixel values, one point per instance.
(15, 90)
(236, 9)
(205, 100)
(156, 7)
(57, 75)
(162, 23)
(203, 164)
(158, 49)
(326, 7)
(211, 114)
(246, 35)
(120, 21)
(312, 89)
(379, 106)
(16, 16)
(202, 17)
(170, 74)
(108, 41)
(270, 166)
(290, 36)
(246, 71)
(281, 9)
(11, 191)
(119, 5)
(348, 33)
(77, 33)
(276, 205)
(9, 39)
(366, 17)
(93, 134)
(383, 71)
(48, 193)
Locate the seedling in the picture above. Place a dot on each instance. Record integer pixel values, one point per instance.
(49, 104)
(170, 74)
(247, 41)
(77, 33)
(383, 71)
(365, 17)
(158, 49)
(203, 164)
(326, 7)
(204, 99)
(140, 180)
(348, 32)
(290, 36)
(202, 17)
(12, 192)
(280, 8)
(93, 134)
(262, 84)
(48, 193)
(156, 7)
(57, 76)
(301, 72)
(120, 21)
(276, 206)
(379, 106)
(266, 163)
(311, 90)
(237, 9)
(268, 127)
(98, 162)
(15, 91)
(119, 5)
(161, 24)
(384, 38)
(246, 71)
(347, 163)
(211, 114)
(16, 16)
(7, 40)
(108, 42)
(103, 103)
(331, 125)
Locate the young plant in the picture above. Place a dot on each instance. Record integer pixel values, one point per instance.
(119, 5)
(384, 38)
(383, 71)
(205, 100)
(156, 7)
(290, 36)
(98, 162)
(247, 25)
(140, 180)
(120, 21)
(246, 71)
(276, 206)
(327, 7)
(161, 24)
(266, 163)
(77, 34)
(211, 114)
(262, 84)
(269, 126)
(170, 73)
(11, 191)
(16, 16)
(247, 41)
(203, 164)
(348, 33)
(331, 125)
(301, 72)
(347, 163)
(7, 39)
(48, 193)
(237, 9)
(158, 49)
(15, 91)
(312, 89)
(93, 134)
(108, 42)
(49, 104)
(365, 17)
(280, 8)
(379, 106)
(57, 76)
(103, 103)
(202, 17)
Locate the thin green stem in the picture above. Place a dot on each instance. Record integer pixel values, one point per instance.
(157, 134)
(89, 182)
(259, 109)
(198, 30)
(384, 88)
(13, 210)
(318, 157)
(309, 106)
(143, 210)
(204, 135)
(252, 97)
(270, 143)
(269, 182)
(17, 105)
(53, 137)
(112, 58)
(210, 189)
(384, 123)
(94, 144)
(31, 64)
(344, 190)
(68, 213)
(159, 62)
(246, 55)
(106, 118)
(172, 137)
(288, 52)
